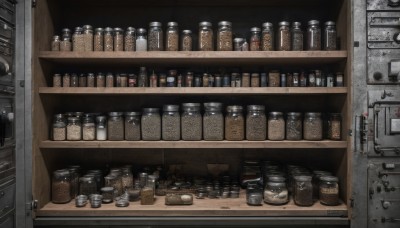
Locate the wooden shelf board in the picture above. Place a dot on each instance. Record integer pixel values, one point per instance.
(193, 144)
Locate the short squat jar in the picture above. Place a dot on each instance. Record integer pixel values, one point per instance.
(172, 37)
(312, 126)
(313, 36)
(255, 39)
(297, 37)
(256, 123)
(74, 129)
(115, 126)
(224, 36)
(191, 122)
(284, 41)
(276, 126)
(267, 43)
(329, 190)
(206, 36)
(61, 186)
(234, 123)
(213, 122)
(303, 191)
(171, 123)
(151, 124)
(132, 126)
(330, 38)
(276, 193)
(294, 126)
(58, 129)
(156, 37)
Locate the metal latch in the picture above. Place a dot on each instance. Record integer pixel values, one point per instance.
(34, 205)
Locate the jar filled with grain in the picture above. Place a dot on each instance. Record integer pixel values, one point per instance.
(329, 190)
(294, 126)
(297, 37)
(276, 193)
(312, 126)
(171, 123)
(330, 37)
(255, 80)
(172, 37)
(65, 42)
(234, 123)
(88, 37)
(130, 39)
(57, 80)
(122, 80)
(91, 80)
(213, 122)
(82, 80)
(98, 39)
(100, 80)
(141, 40)
(303, 191)
(109, 80)
(117, 173)
(74, 129)
(108, 39)
(118, 39)
(268, 37)
(87, 186)
(88, 129)
(284, 41)
(334, 126)
(187, 40)
(74, 80)
(276, 126)
(101, 128)
(274, 78)
(55, 43)
(61, 186)
(255, 39)
(59, 128)
(151, 124)
(115, 126)
(313, 36)
(132, 126)
(206, 36)
(245, 79)
(191, 122)
(256, 123)
(156, 37)
(224, 36)
(127, 178)
(66, 80)
(316, 180)
(78, 43)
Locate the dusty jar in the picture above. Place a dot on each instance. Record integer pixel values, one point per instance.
(156, 37)
(118, 39)
(57, 80)
(77, 40)
(74, 129)
(329, 190)
(294, 126)
(191, 122)
(313, 36)
(132, 126)
(55, 43)
(108, 39)
(330, 36)
(100, 80)
(115, 126)
(88, 129)
(297, 37)
(151, 124)
(334, 126)
(312, 125)
(171, 123)
(61, 186)
(276, 126)
(255, 39)
(187, 41)
(256, 123)
(234, 123)
(303, 191)
(58, 129)
(172, 37)
(213, 122)
(284, 41)
(98, 39)
(130, 39)
(141, 40)
(88, 37)
(274, 79)
(224, 36)
(206, 36)
(268, 37)
(276, 193)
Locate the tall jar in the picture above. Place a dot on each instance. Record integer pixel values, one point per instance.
(115, 126)
(234, 123)
(274, 79)
(276, 126)
(101, 128)
(312, 126)
(88, 129)
(268, 37)
(82, 80)
(206, 36)
(127, 179)
(187, 40)
(87, 185)
(329, 190)
(171, 123)
(100, 80)
(156, 35)
(297, 37)
(284, 41)
(65, 42)
(91, 80)
(172, 37)
(256, 123)
(303, 191)
(58, 129)
(143, 80)
(294, 126)
(118, 39)
(151, 124)
(98, 39)
(313, 36)
(224, 36)
(276, 193)
(132, 126)
(330, 36)
(74, 175)
(108, 39)
(61, 186)
(55, 43)
(334, 126)
(74, 129)
(255, 39)
(191, 122)
(130, 39)
(88, 37)
(213, 122)
(77, 40)
(141, 40)
(74, 80)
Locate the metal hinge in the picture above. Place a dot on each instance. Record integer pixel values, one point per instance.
(33, 205)
(34, 3)
(352, 203)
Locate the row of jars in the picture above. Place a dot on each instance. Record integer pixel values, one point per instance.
(116, 39)
(191, 125)
(274, 78)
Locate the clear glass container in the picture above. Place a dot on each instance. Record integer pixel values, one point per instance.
(91, 80)
(118, 39)
(276, 193)
(276, 126)
(312, 125)
(127, 178)
(132, 80)
(66, 80)
(284, 40)
(238, 44)
(268, 37)
(172, 37)
(339, 79)
(132, 126)
(98, 39)
(313, 36)
(108, 39)
(108, 194)
(87, 37)
(130, 39)
(111, 180)
(189, 79)
(143, 80)
(57, 80)
(109, 80)
(255, 39)
(88, 129)
(171, 123)
(234, 123)
(224, 36)
(122, 80)
(87, 186)
(329, 190)
(297, 37)
(117, 183)
(303, 191)
(274, 79)
(317, 174)
(82, 80)
(74, 80)
(171, 78)
(156, 37)
(74, 175)
(191, 122)
(330, 36)
(255, 80)
(74, 129)
(66, 44)
(294, 126)
(213, 122)
(334, 126)
(141, 40)
(206, 36)
(101, 128)
(187, 40)
(55, 43)
(115, 126)
(100, 80)
(151, 124)
(78, 43)
(98, 177)
(256, 123)
(61, 186)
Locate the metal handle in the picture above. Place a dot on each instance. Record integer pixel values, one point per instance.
(391, 220)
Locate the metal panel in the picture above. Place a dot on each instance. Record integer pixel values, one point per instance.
(7, 198)
(8, 221)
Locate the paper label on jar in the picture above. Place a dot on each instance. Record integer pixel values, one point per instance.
(329, 190)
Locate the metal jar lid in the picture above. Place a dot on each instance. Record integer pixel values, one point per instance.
(171, 108)
(284, 23)
(172, 24)
(238, 40)
(122, 203)
(151, 110)
(313, 22)
(115, 114)
(186, 32)
(276, 184)
(130, 29)
(101, 119)
(87, 27)
(329, 179)
(312, 114)
(141, 30)
(66, 30)
(255, 108)
(205, 24)
(78, 29)
(95, 171)
(276, 179)
(303, 178)
(275, 114)
(224, 23)
(74, 120)
(322, 172)
(155, 24)
(108, 29)
(330, 23)
(234, 108)
(118, 30)
(99, 30)
(132, 113)
(267, 25)
(58, 116)
(107, 189)
(294, 114)
(215, 105)
(255, 29)
(61, 172)
(55, 38)
(191, 106)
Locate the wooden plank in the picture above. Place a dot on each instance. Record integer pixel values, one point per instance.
(193, 144)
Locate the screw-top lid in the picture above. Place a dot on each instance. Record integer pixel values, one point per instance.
(330, 23)
(313, 22)
(224, 23)
(276, 178)
(187, 32)
(276, 184)
(255, 108)
(108, 29)
(171, 108)
(66, 30)
(141, 30)
(284, 23)
(275, 114)
(191, 106)
(115, 114)
(130, 29)
(294, 114)
(215, 105)
(118, 30)
(255, 29)
(172, 24)
(107, 189)
(267, 25)
(303, 178)
(238, 40)
(95, 171)
(56, 37)
(205, 23)
(296, 24)
(87, 27)
(234, 108)
(155, 24)
(99, 30)
(78, 29)
(312, 114)
(61, 172)
(101, 119)
(74, 119)
(132, 113)
(151, 110)
(86, 179)
(329, 179)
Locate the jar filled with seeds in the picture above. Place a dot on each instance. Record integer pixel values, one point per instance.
(245, 79)
(122, 80)
(268, 37)
(284, 41)
(74, 80)
(256, 123)
(186, 40)
(313, 36)
(55, 43)
(213, 122)
(91, 80)
(66, 80)
(88, 129)
(57, 81)
(127, 178)
(141, 40)
(132, 126)
(115, 126)
(297, 37)
(66, 44)
(234, 123)
(151, 124)
(87, 185)
(276, 126)
(191, 122)
(58, 128)
(156, 37)
(237, 44)
(101, 128)
(206, 36)
(330, 36)
(109, 80)
(61, 186)
(312, 126)
(276, 193)
(172, 37)
(274, 79)
(334, 126)
(255, 80)
(224, 36)
(130, 39)
(108, 39)
(143, 78)
(303, 191)
(88, 37)
(74, 129)
(82, 80)
(118, 39)
(255, 39)
(98, 39)
(78, 43)
(329, 190)
(171, 123)
(100, 80)
(294, 126)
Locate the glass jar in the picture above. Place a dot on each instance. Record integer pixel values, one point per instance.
(101, 128)
(213, 122)
(256, 123)
(88, 129)
(65, 42)
(284, 37)
(171, 123)
(118, 39)
(91, 80)
(132, 126)
(334, 126)
(276, 126)
(297, 37)
(88, 37)
(276, 193)
(189, 79)
(132, 80)
(111, 180)
(237, 44)
(55, 43)
(206, 36)
(339, 79)
(294, 126)
(330, 36)
(255, 80)
(191, 122)
(58, 129)
(172, 37)
(312, 126)
(115, 126)
(313, 36)
(122, 80)
(57, 82)
(224, 36)
(171, 78)
(303, 191)
(108, 39)
(108, 194)
(87, 186)
(255, 39)
(156, 39)
(329, 190)
(316, 180)
(61, 186)
(117, 182)
(153, 80)
(98, 39)
(274, 79)
(187, 41)
(267, 37)
(77, 40)
(66, 80)
(151, 124)
(74, 80)
(130, 39)
(98, 177)
(82, 80)
(127, 179)
(141, 40)
(100, 80)
(109, 80)
(143, 78)
(234, 123)
(74, 175)
(74, 129)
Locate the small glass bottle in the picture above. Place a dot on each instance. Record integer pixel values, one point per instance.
(256, 123)
(91, 80)
(268, 37)
(171, 78)
(108, 39)
(171, 123)
(57, 81)
(109, 80)
(74, 80)
(141, 40)
(143, 80)
(330, 37)
(234, 123)
(55, 43)
(255, 39)
(191, 122)
(100, 80)
(115, 126)
(186, 40)
(88, 129)
(303, 191)
(276, 126)
(172, 37)
(118, 39)
(294, 126)
(313, 36)
(297, 37)
(98, 39)
(329, 190)
(74, 129)
(334, 126)
(77, 40)
(206, 36)
(151, 124)
(82, 80)
(130, 39)
(213, 122)
(66, 80)
(87, 37)
(224, 36)
(312, 125)
(132, 126)
(189, 79)
(61, 186)
(284, 41)
(101, 128)
(58, 128)
(156, 37)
